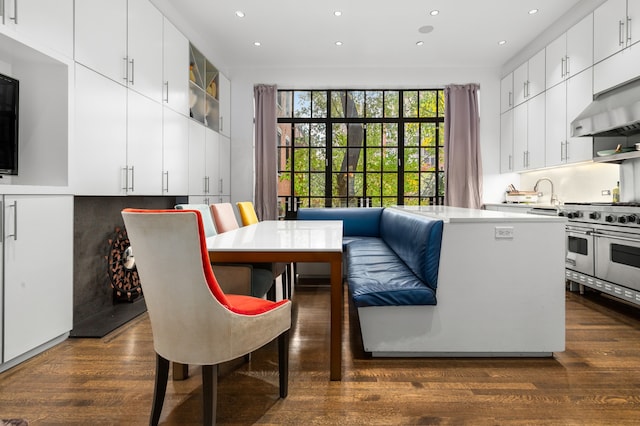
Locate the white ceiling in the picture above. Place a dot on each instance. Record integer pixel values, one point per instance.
(375, 33)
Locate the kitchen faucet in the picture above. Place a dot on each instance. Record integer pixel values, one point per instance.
(554, 197)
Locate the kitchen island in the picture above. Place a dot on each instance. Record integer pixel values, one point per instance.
(500, 290)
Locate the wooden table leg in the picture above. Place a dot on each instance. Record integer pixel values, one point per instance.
(336, 319)
(180, 371)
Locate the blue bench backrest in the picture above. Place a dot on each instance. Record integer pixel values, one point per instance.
(416, 240)
(356, 222)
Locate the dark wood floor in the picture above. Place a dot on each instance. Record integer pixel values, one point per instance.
(596, 381)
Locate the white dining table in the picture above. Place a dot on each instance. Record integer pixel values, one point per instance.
(290, 241)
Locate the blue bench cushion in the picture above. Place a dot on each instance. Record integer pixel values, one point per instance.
(378, 277)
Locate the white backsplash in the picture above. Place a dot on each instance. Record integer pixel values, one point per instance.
(577, 183)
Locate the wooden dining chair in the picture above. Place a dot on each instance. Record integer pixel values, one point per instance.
(192, 320)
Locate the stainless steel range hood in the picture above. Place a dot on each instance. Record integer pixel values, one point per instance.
(613, 113)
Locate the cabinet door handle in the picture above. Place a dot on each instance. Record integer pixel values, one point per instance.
(567, 66)
(561, 67)
(628, 31)
(2, 10)
(14, 206)
(15, 12)
(166, 87)
(510, 98)
(221, 123)
(620, 32)
(132, 71)
(166, 180)
(566, 150)
(132, 179)
(220, 186)
(126, 69)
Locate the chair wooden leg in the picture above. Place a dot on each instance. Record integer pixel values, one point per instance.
(162, 376)
(283, 363)
(209, 393)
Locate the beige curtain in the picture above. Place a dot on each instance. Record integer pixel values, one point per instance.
(266, 186)
(463, 165)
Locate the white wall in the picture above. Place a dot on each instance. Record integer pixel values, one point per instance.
(243, 81)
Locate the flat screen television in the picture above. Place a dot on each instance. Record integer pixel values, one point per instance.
(9, 89)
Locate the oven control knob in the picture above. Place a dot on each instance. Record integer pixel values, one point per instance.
(610, 218)
(562, 213)
(628, 218)
(594, 215)
(574, 215)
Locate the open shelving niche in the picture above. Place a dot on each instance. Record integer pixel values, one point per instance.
(43, 126)
(204, 102)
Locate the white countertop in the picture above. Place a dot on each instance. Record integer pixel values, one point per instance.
(458, 214)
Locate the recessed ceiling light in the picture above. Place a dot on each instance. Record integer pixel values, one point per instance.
(239, 14)
(257, 43)
(434, 12)
(425, 29)
(337, 13)
(419, 43)
(502, 42)
(533, 11)
(338, 43)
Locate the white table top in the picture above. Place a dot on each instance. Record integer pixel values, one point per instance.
(281, 235)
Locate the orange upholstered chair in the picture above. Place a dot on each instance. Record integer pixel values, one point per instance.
(192, 320)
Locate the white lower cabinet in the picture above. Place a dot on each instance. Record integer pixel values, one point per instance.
(37, 301)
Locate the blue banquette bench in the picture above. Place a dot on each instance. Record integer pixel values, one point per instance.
(391, 256)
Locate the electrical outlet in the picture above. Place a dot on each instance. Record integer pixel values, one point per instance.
(504, 232)
(605, 192)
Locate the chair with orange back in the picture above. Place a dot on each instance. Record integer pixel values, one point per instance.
(230, 276)
(192, 320)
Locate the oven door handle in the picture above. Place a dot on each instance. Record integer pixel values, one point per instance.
(615, 237)
(574, 231)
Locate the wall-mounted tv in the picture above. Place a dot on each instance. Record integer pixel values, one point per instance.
(9, 89)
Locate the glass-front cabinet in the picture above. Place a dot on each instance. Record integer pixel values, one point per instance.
(204, 104)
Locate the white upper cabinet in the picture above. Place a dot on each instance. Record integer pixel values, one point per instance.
(144, 49)
(46, 21)
(529, 134)
(224, 88)
(570, 53)
(101, 37)
(506, 141)
(144, 146)
(529, 78)
(122, 41)
(175, 69)
(563, 104)
(580, 46)
(616, 26)
(224, 166)
(506, 93)
(175, 153)
(99, 151)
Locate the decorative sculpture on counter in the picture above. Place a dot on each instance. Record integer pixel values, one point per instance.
(123, 274)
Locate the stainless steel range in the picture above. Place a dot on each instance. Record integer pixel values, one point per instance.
(603, 247)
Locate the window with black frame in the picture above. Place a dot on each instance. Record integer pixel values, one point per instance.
(360, 148)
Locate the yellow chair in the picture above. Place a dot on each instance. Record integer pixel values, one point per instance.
(249, 217)
(247, 213)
